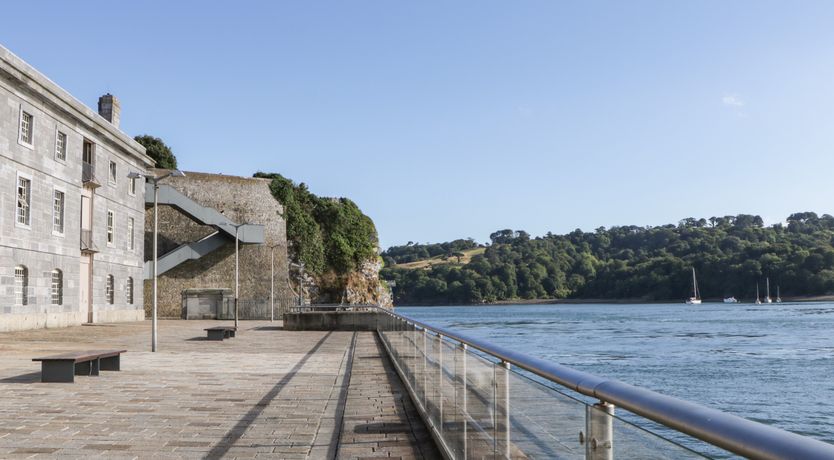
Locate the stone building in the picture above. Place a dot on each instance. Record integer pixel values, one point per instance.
(70, 248)
(196, 257)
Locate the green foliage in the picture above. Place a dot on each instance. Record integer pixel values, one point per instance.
(326, 234)
(730, 254)
(157, 150)
(412, 252)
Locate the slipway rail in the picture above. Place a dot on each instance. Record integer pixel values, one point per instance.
(476, 406)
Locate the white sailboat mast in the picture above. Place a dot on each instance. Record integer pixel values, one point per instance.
(694, 284)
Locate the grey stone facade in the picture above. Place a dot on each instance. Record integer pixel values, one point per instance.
(242, 200)
(37, 246)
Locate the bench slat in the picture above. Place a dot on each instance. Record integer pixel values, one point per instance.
(81, 356)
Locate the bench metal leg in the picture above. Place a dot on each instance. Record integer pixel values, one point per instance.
(231, 334)
(57, 371)
(87, 367)
(111, 363)
(216, 335)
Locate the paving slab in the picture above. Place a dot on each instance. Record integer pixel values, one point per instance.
(267, 393)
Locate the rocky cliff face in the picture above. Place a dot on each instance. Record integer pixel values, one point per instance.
(360, 287)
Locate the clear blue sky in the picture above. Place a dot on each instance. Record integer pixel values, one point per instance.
(453, 119)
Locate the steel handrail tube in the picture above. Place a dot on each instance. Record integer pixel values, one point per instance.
(730, 432)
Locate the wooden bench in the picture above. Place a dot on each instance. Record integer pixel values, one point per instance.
(65, 366)
(220, 332)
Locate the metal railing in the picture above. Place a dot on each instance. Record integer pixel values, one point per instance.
(88, 173)
(476, 405)
(87, 241)
(255, 309)
(333, 307)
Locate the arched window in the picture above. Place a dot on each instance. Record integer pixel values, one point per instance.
(57, 287)
(21, 285)
(129, 290)
(108, 290)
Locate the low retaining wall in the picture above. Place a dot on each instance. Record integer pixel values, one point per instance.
(330, 321)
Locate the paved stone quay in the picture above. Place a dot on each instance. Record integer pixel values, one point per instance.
(268, 393)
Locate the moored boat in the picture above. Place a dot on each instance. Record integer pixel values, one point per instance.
(696, 298)
(730, 299)
(767, 298)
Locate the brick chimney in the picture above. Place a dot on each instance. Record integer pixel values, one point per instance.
(110, 109)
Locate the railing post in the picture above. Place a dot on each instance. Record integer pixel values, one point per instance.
(464, 401)
(440, 383)
(600, 427)
(425, 368)
(502, 411)
(413, 362)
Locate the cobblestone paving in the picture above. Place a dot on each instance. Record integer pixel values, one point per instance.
(379, 418)
(267, 393)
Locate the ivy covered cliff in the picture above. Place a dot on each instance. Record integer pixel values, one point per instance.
(336, 243)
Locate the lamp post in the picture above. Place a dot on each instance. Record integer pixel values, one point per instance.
(272, 282)
(155, 180)
(237, 265)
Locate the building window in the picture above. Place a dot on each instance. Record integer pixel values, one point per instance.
(27, 125)
(131, 186)
(87, 153)
(130, 223)
(129, 291)
(57, 287)
(110, 221)
(24, 199)
(61, 146)
(58, 211)
(21, 285)
(112, 172)
(108, 290)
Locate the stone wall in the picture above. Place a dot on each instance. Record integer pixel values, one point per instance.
(241, 199)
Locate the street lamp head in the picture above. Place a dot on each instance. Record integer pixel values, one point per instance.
(135, 175)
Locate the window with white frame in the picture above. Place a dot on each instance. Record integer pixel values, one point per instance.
(61, 146)
(131, 186)
(130, 243)
(112, 172)
(21, 285)
(27, 127)
(129, 290)
(24, 200)
(110, 223)
(58, 211)
(57, 287)
(108, 289)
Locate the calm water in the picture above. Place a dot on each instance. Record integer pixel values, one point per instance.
(773, 364)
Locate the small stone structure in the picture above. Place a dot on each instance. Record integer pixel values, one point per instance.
(206, 303)
(242, 200)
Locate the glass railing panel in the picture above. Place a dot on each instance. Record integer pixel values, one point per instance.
(609, 436)
(448, 390)
(480, 407)
(543, 423)
(432, 379)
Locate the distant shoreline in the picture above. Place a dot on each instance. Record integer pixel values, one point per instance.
(818, 298)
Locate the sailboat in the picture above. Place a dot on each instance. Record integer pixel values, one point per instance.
(758, 301)
(778, 298)
(695, 299)
(767, 298)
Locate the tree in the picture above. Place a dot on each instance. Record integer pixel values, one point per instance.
(156, 149)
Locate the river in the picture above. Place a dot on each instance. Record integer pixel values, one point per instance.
(769, 363)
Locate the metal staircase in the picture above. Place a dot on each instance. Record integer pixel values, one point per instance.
(225, 229)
